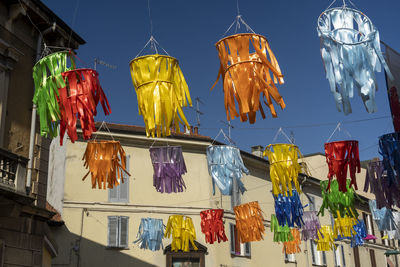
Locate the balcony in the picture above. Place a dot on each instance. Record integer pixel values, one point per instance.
(12, 171)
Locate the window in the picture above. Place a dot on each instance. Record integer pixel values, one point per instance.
(290, 257)
(237, 248)
(339, 256)
(237, 194)
(120, 193)
(312, 203)
(118, 231)
(318, 257)
(368, 223)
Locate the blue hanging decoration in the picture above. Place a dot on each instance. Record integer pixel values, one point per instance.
(383, 217)
(225, 164)
(150, 234)
(389, 148)
(361, 233)
(350, 50)
(289, 210)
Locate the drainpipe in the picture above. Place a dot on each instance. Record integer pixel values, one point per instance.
(33, 119)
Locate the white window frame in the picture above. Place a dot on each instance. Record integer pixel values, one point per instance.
(117, 189)
(340, 260)
(318, 258)
(118, 244)
(290, 257)
(245, 248)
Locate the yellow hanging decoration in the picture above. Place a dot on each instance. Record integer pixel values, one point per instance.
(293, 247)
(325, 240)
(106, 161)
(249, 222)
(161, 93)
(344, 227)
(284, 167)
(247, 74)
(182, 231)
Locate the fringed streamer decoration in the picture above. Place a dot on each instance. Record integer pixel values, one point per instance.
(150, 234)
(360, 234)
(182, 230)
(344, 227)
(289, 210)
(311, 225)
(395, 233)
(78, 100)
(386, 193)
(340, 156)
(169, 166)
(337, 201)
(284, 167)
(48, 79)
(389, 148)
(281, 233)
(293, 247)
(213, 226)
(246, 75)
(249, 222)
(325, 240)
(106, 161)
(350, 50)
(161, 92)
(383, 217)
(224, 164)
(370, 237)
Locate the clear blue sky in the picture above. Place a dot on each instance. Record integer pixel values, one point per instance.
(115, 31)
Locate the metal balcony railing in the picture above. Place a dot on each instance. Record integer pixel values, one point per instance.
(12, 170)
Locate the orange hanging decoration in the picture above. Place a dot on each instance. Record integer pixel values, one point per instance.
(293, 247)
(249, 222)
(246, 75)
(106, 161)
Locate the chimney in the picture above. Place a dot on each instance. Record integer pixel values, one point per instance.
(196, 130)
(257, 151)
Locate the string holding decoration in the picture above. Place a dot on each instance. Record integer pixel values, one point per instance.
(350, 50)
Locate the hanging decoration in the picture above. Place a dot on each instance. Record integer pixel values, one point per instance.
(370, 237)
(311, 225)
(169, 166)
(337, 202)
(289, 210)
(394, 233)
(386, 194)
(213, 226)
(161, 93)
(350, 50)
(325, 240)
(284, 167)
(150, 234)
(47, 77)
(383, 217)
(78, 99)
(224, 164)
(389, 148)
(360, 234)
(293, 247)
(344, 227)
(182, 230)
(281, 233)
(106, 161)
(249, 222)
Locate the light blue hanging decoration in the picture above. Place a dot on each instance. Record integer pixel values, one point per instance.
(383, 217)
(225, 164)
(361, 233)
(289, 210)
(150, 234)
(350, 50)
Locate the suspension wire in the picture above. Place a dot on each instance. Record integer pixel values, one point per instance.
(73, 21)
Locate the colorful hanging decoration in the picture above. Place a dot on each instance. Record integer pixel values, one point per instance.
(311, 225)
(350, 50)
(394, 233)
(150, 234)
(106, 161)
(78, 100)
(325, 241)
(249, 222)
(293, 247)
(161, 93)
(389, 148)
(340, 156)
(386, 193)
(48, 79)
(344, 227)
(383, 217)
(360, 234)
(169, 166)
(337, 202)
(370, 237)
(246, 75)
(213, 226)
(284, 167)
(182, 230)
(224, 164)
(289, 210)
(281, 233)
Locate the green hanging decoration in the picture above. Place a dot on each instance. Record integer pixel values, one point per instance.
(338, 202)
(281, 233)
(48, 79)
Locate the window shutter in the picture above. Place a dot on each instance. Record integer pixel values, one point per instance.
(323, 258)
(313, 256)
(343, 258)
(232, 239)
(312, 203)
(112, 231)
(113, 194)
(123, 233)
(247, 250)
(124, 187)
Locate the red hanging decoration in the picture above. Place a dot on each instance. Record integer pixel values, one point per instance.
(78, 100)
(340, 156)
(213, 226)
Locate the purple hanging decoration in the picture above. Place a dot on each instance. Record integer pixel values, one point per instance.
(311, 225)
(361, 234)
(169, 166)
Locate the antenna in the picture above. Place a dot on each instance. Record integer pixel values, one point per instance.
(292, 137)
(229, 127)
(197, 110)
(101, 62)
